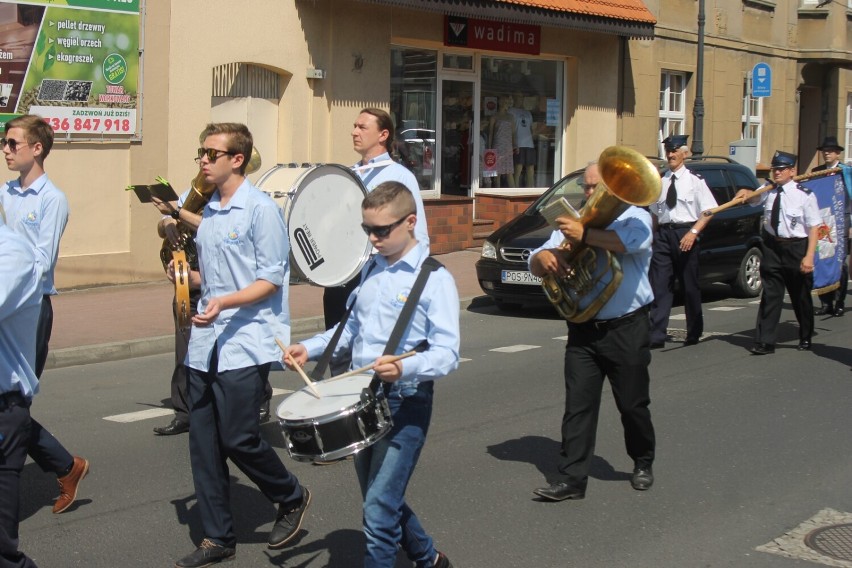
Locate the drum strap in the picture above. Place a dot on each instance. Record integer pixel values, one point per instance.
(325, 359)
(429, 265)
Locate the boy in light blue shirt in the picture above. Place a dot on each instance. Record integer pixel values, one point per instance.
(384, 469)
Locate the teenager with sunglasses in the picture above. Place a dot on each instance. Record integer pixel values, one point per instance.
(385, 468)
(38, 211)
(244, 275)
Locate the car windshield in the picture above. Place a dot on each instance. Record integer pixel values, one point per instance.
(570, 187)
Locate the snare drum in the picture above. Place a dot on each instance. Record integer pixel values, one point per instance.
(340, 423)
(322, 207)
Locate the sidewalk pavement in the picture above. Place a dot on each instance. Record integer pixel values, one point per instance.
(121, 322)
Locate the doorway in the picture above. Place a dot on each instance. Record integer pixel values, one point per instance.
(456, 138)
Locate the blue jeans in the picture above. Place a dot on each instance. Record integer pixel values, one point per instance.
(383, 472)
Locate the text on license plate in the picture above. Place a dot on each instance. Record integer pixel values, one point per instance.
(519, 277)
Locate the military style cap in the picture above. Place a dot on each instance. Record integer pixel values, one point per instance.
(783, 160)
(830, 143)
(674, 142)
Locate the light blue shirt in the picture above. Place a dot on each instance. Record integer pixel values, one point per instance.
(633, 228)
(39, 213)
(238, 244)
(379, 301)
(372, 177)
(20, 304)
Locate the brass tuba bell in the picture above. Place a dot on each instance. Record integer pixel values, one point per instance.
(629, 178)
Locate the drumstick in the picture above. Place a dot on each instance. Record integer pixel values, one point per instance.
(372, 366)
(298, 368)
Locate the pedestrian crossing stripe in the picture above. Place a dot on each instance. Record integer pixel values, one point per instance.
(727, 308)
(149, 413)
(515, 348)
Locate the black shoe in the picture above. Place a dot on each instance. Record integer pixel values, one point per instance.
(824, 310)
(838, 311)
(175, 427)
(264, 411)
(804, 345)
(657, 345)
(559, 491)
(763, 349)
(288, 522)
(642, 478)
(443, 561)
(689, 342)
(208, 553)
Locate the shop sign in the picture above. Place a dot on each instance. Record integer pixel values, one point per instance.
(492, 35)
(73, 62)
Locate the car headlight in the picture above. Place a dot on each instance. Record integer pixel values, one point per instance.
(489, 250)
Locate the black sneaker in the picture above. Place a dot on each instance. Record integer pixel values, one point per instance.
(208, 553)
(443, 561)
(288, 522)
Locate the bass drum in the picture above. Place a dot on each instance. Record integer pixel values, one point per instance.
(322, 207)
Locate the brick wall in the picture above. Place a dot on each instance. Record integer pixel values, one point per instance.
(450, 221)
(501, 208)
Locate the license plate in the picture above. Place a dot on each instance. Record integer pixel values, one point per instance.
(519, 277)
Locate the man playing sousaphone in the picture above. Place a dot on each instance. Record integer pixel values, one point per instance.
(615, 344)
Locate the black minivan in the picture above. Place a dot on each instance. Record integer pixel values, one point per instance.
(730, 243)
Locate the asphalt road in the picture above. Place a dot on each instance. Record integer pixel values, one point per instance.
(748, 449)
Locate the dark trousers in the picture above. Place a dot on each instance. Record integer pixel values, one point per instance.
(618, 351)
(225, 425)
(44, 449)
(15, 427)
(179, 374)
(779, 269)
(667, 263)
(334, 301)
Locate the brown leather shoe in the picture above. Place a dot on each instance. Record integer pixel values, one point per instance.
(68, 484)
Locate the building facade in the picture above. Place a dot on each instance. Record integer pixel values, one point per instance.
(461, 78)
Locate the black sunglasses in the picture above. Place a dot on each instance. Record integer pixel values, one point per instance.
(211, 153)
(12, 144)
(382, 231)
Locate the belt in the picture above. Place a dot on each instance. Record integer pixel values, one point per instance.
(13, 398)
(615, 322)
(783, 240)
(676, 225)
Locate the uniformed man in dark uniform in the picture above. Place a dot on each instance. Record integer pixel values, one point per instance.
(790, 222)
(833, 303)
(678, 222)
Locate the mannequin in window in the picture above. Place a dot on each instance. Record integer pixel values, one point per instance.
(503, 138)
(525, 151)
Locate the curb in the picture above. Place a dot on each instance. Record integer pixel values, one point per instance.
(133, 348)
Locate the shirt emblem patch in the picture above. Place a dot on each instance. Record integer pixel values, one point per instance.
(232, 238)
(401, 298)
(31, 218)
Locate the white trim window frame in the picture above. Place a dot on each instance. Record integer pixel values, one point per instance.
(672, 103)
(848, 144)
(754, 107)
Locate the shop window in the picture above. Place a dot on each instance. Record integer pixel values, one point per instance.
(412, 106)
(752, 116)
(672, 103)
(520, 107)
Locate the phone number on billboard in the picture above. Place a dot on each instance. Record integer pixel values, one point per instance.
(93, 125)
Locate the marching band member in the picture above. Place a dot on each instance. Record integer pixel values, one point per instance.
(678, 223)
(790, 222)
(38, 211)
(615, 345)
(384, 469)
(244, 271)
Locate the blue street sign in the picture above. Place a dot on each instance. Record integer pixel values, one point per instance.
(761, 80)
